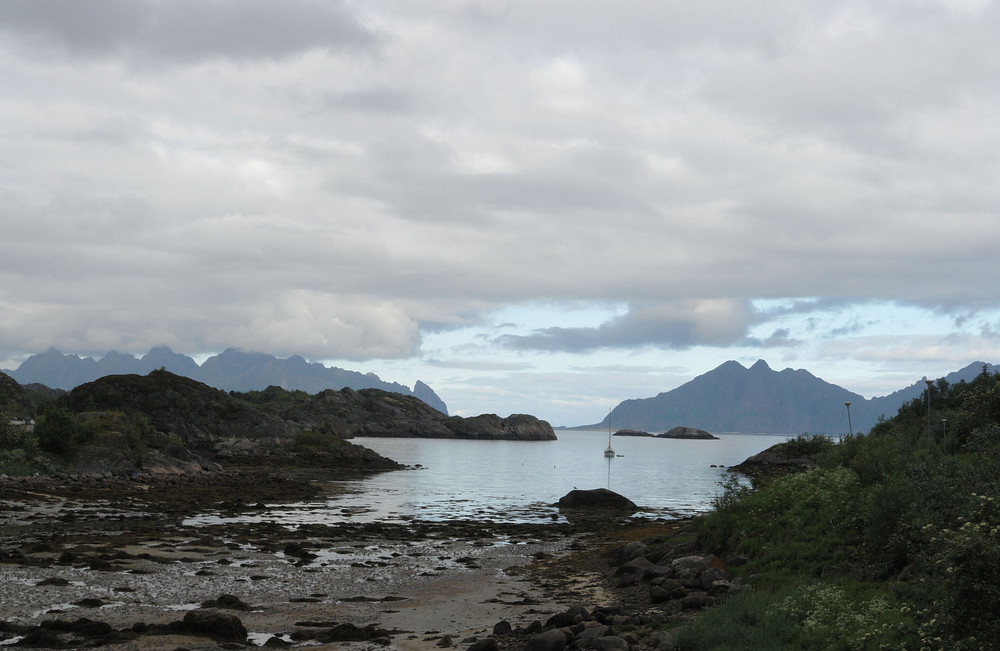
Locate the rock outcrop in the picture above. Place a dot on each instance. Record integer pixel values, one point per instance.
(632, 432)
(778, 459)
(204, 417)
(596, 498)
(686, 433)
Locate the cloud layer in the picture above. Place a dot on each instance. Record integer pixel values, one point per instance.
(347, 180)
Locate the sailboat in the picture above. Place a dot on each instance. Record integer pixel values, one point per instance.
(609, 452)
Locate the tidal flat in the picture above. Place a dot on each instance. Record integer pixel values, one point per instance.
(110, 563)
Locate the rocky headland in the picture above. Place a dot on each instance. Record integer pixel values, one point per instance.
(162, 422)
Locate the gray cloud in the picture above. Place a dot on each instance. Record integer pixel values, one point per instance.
(674, 325)
(185, 30)
(348, 181)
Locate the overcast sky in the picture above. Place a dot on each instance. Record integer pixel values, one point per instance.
(540, 207)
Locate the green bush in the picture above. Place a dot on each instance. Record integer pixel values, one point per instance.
(814, 615)
(59, 432)
(958, 593)
(807, 445)
(794, 526)
(827, 615)
(317, 440)
(15, 438)
(18, 462)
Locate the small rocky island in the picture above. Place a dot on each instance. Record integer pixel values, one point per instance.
(675, 433)
(686, 433)
(632, 432)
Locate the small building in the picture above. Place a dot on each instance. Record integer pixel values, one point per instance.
(26, 424)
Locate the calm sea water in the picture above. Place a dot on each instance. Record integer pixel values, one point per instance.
(519, 481)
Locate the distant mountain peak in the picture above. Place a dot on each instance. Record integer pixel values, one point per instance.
(234, 369)
(731, 398)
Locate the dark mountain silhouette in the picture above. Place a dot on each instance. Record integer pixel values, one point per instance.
(231, 370)
(732, 398)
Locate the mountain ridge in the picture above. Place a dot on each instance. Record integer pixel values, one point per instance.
(758, 399)
(230, 370)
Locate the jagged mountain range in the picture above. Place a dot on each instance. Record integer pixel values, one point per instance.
(733, 398)
(231, 370)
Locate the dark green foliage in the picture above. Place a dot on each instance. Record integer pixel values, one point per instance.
(917, 513)
(805, 445)
(812, 615)
(59, 432)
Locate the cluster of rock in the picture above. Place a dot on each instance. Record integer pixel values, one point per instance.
(601, 628)
(778, 459)
(686, 582)
(679, 432)
(85, 632)
(670, 582)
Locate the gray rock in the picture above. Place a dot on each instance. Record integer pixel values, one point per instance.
(215, 624)
(596, 498)
(686, 433)
(486, 644)
(695, 601)
(711, 575)
(661, 640)
(42, 638)
(658, 594)
(593, 632)
(626, 580)
(554, 640)
(632, 550)
(502, 628)
(687, 567)
(658, 572)
(635, 566)
(609, 643)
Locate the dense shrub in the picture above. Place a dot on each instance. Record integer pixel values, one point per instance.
(59, 432)
(910, 506)
(795, 526)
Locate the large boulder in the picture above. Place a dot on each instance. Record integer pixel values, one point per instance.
(596, 498)
(218, 625)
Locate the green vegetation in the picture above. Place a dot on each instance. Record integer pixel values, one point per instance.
(892, 541)
(61, 438)
(320, 441)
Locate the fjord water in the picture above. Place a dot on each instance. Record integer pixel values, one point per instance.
(520, 481)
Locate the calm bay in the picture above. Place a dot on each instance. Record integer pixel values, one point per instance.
(520, 481)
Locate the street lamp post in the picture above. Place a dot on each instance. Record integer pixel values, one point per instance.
(929, 384)
(850, 428)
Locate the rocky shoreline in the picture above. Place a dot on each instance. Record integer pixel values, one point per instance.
(110, 563)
